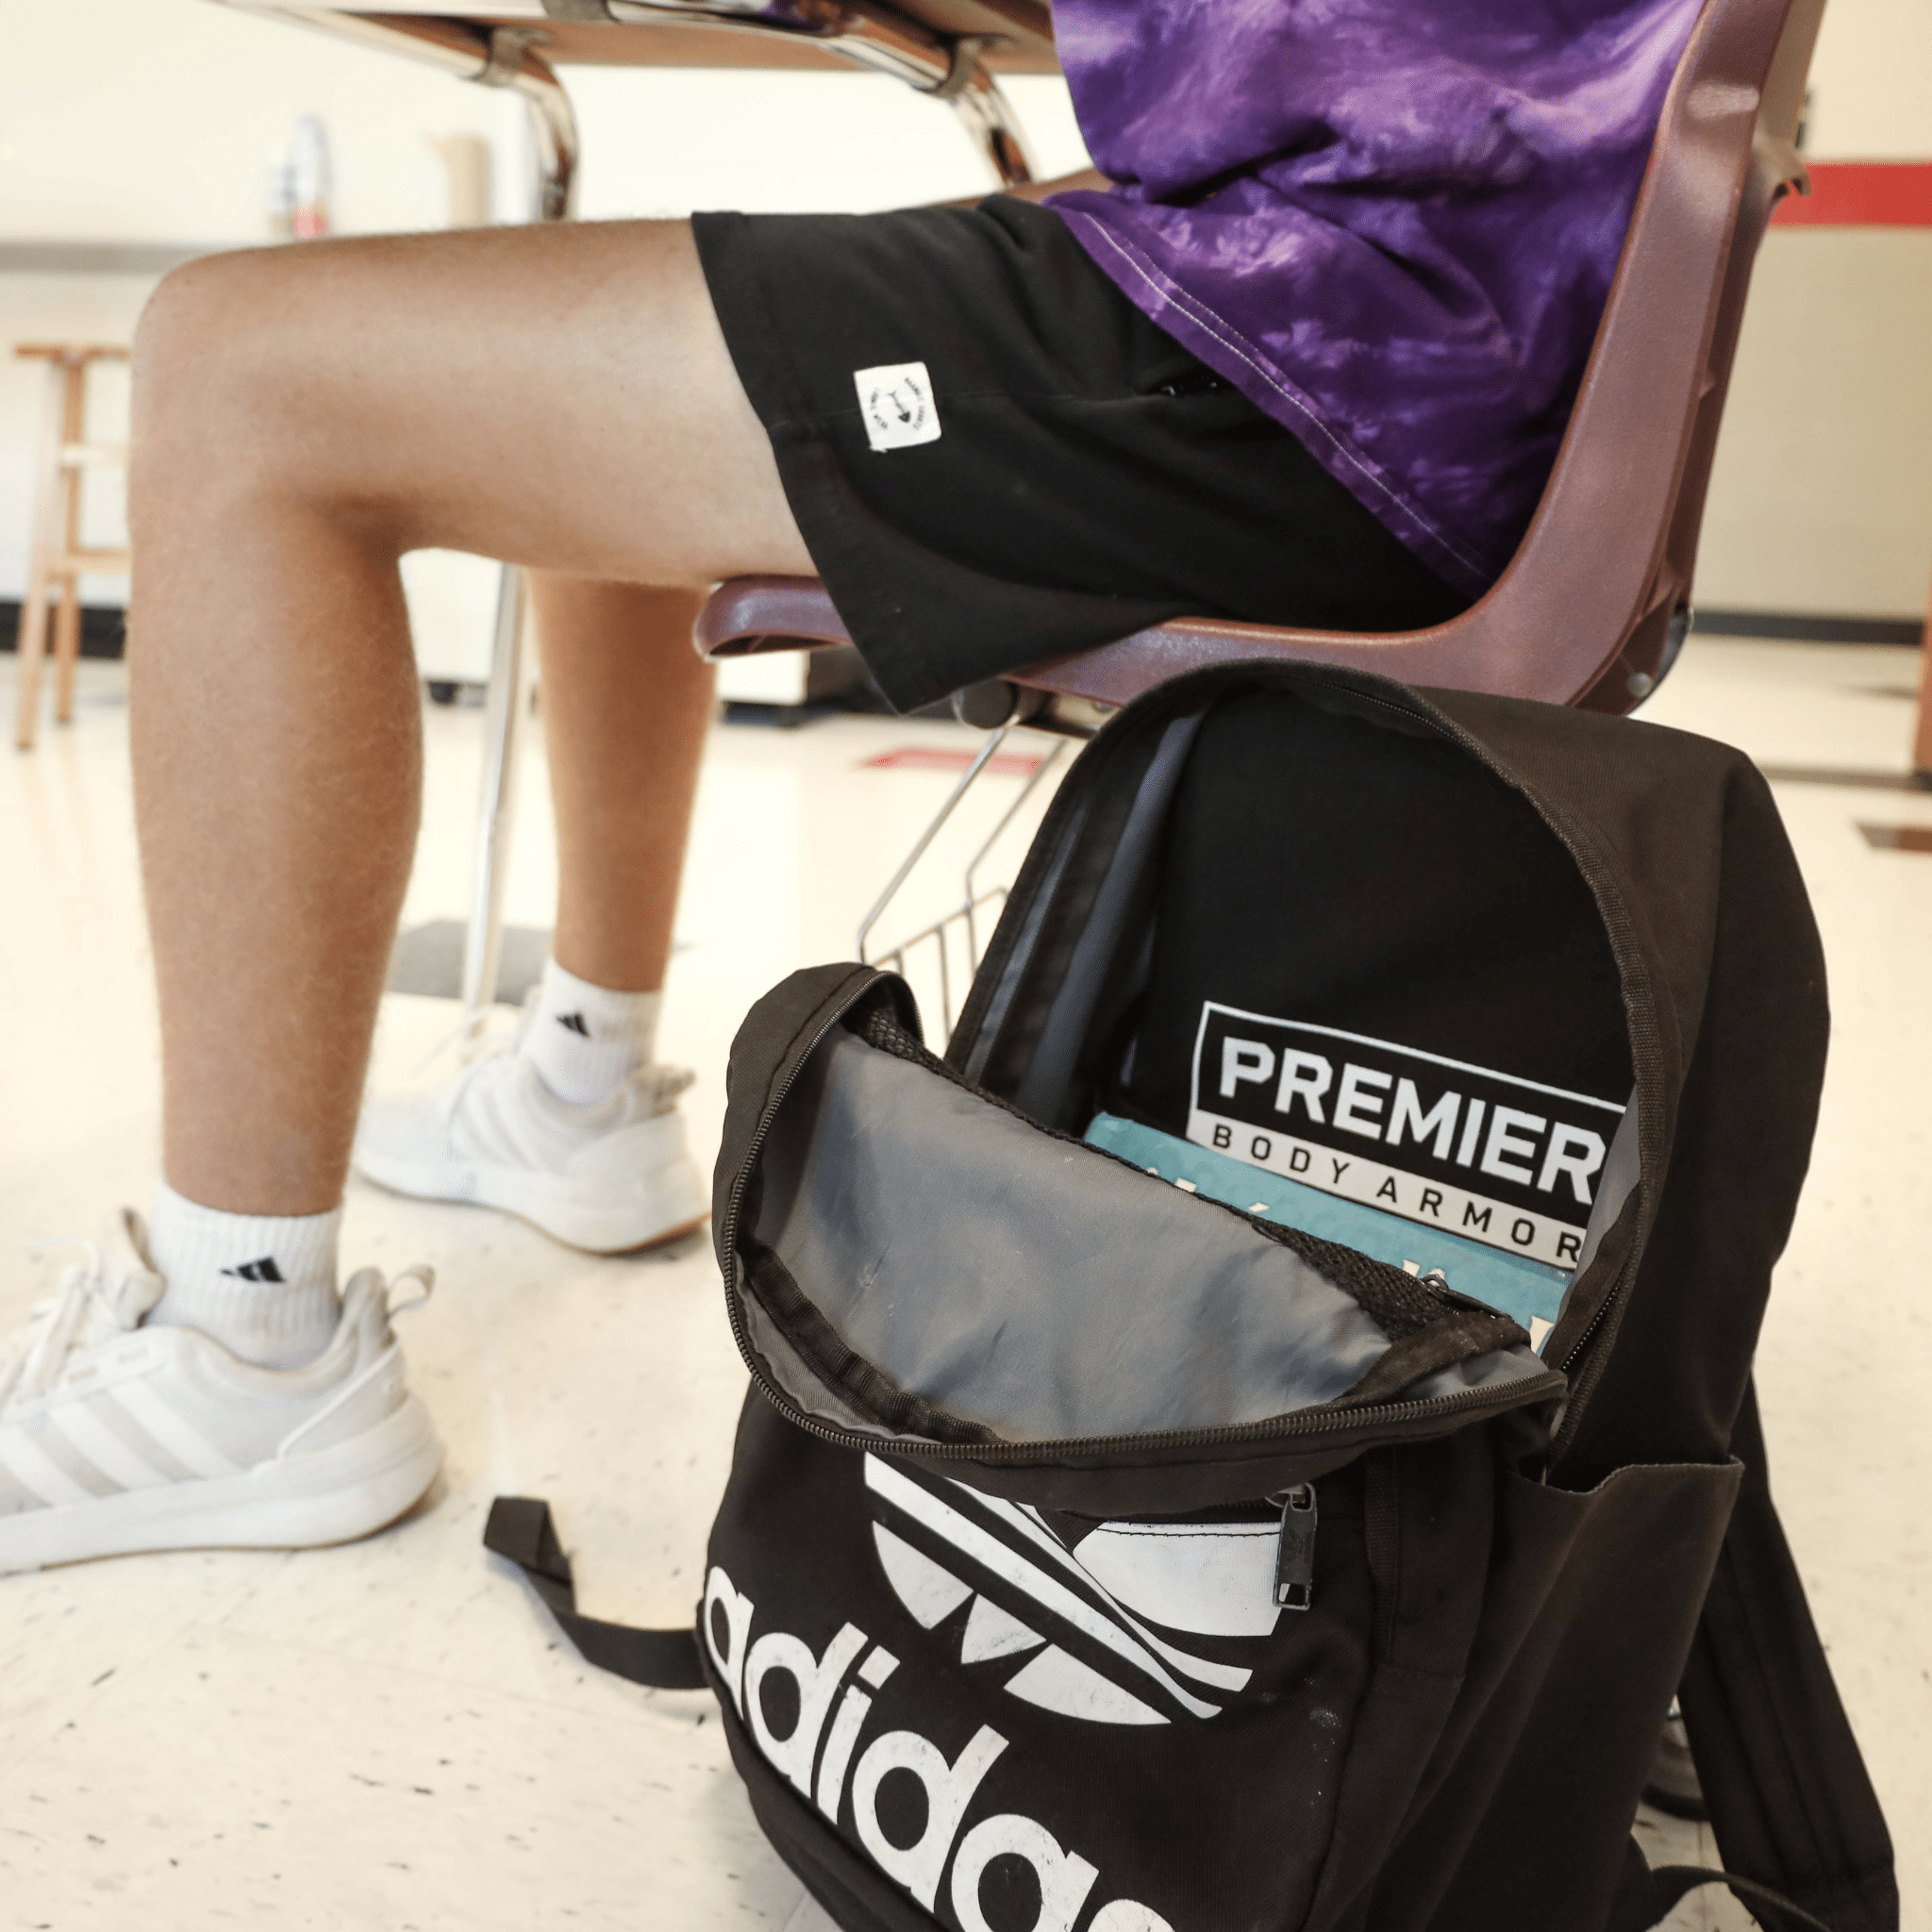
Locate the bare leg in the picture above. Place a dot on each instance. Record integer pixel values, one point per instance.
(626, 704)
(560, 398)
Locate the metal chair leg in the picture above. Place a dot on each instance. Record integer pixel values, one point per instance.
(981, 760)
(966, 918)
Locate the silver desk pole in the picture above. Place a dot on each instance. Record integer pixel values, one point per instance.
(504, 56)
(948, 68)
(553, 133)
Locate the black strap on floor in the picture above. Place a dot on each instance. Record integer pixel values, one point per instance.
(1790, 1800)
(520, 1528)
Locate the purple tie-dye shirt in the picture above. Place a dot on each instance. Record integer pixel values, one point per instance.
(1391, 223)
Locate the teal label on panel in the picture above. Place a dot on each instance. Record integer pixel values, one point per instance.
(1527, 1291)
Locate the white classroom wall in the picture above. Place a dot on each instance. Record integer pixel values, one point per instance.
(155, 121)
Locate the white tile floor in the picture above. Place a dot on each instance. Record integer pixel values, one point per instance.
(387, 1735)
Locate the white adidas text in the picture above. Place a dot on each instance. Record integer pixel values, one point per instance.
(746, 1661)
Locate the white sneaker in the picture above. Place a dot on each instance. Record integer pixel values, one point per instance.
(607, 1178)
(116, 1437)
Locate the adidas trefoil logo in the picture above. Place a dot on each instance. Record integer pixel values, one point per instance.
(263, 1270)
(1215, 1580)
(573, 1022)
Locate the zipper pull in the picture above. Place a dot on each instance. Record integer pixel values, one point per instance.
(1294, 1555)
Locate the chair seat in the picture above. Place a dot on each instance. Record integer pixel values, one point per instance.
(749, 615)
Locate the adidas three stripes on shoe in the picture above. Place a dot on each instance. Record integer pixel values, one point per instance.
(606, 1177)
(118, 1437)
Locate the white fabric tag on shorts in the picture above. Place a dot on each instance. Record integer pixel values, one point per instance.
(897, 403)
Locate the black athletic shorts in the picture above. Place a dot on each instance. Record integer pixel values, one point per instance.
(996, 458)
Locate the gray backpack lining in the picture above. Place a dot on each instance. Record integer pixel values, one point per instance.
(1033, 1286)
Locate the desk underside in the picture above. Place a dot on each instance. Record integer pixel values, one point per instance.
(1025, 31)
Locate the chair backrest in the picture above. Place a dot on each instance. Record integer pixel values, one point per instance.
(1583, 613)
(1594, 600)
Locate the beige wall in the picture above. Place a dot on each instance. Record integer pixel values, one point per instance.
(1872, 80)
(1821, 498)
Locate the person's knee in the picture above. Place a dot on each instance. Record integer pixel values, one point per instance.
(232, 406)
(204, 367)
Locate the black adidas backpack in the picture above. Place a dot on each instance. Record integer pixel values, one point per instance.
(1256, 1436)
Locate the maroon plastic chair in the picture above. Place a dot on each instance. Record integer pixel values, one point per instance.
(1596, 600)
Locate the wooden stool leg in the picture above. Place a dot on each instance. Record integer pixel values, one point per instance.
(31, 646)
(67, 624)
(43, 546)
(1922, 743)
(66, 650)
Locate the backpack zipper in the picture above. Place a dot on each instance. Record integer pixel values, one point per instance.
(1294, 1551)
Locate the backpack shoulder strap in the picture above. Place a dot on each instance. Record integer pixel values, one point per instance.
(1790, 1800)
(520, 1528)
(1646, 1898)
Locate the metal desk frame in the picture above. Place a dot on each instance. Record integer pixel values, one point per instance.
(950, 68)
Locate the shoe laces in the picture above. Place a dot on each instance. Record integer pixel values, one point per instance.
(34, 1358)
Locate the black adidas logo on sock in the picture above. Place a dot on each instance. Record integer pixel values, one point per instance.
(263, 1270)
(573, 1022)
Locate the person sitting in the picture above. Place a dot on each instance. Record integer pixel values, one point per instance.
(1301, 352)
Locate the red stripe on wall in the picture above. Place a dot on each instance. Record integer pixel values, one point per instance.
(1861, 194)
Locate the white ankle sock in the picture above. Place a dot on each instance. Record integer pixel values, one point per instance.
(585, 1039)
(262, 1285)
